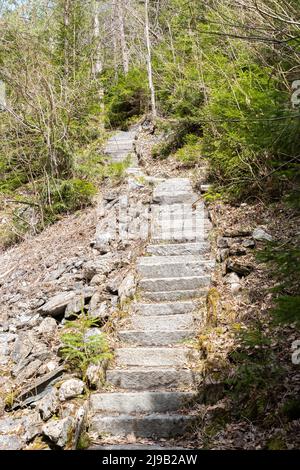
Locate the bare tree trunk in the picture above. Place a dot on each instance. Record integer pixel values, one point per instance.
(124, 48)
(97, 65)
(149, 61)
(66, 40)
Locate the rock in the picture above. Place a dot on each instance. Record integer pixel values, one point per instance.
(95, 375)
(59, 431)
(22, 347)
(222, 242)
(114, 282)
(127, 287)
(48, 405)
(239, 268)
(78, 426)
(11, 425)
(92, 333)
(32, 425)
(75, 307)
(233, 281)
(29, 371)
(103, 265)
(6, 345)
(261, 235)
(98, 308)
(57, 304)
(48, 326)
(71, 389)
(222, 255)
(98, 280)
(38, 388)
(11, 442)
(102, 242)
(248, 243)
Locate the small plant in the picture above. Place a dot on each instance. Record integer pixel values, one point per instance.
(81, 347)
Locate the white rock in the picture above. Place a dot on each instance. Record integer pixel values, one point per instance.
(48, 326)
(233, 280)
(71, 389)
(261, 235)
(48, 405)
(59, 431)
(94, 375)
(127, 287)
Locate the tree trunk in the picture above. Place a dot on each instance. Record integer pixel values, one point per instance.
(124, 47)
(149, 61)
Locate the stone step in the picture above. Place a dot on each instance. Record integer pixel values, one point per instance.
(137, 378)
(179, 249)
(172, 308)
(163, 322)
(154, 357)
(155, 338)
(173, 266)
(154, 425)
(174, 284)
(174, 190)
(139, 402)
(180, 237)
(173, 296)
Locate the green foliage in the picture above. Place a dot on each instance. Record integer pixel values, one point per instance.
(190, 153)
(68, 195)
(126, 98)
(80, 347)
(291, 409)
(257, 376)
(284, 265)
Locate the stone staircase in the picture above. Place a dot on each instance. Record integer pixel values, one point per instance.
(154, 374)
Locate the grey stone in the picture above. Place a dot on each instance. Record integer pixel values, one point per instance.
(32, 425)
(98, 309)
(11, 442)
(172, 308)
(103, 241)
(59, 431)
(174, 190)
(233, 281)
(98, 280)
(139, 402)
(48, 405)
(103, 265)
(173, 296)
(11, 425)
(57, 304)
(147, 378)
(154, 357)
(127, 287)
(75, 307)
(94, 375)
(157, 425)
(48, 326)
(70, 389)
(176, 283)
(173, 266)
(163, 322)
(29, 371)
(261, 235)
(155, 338)
(178, 249)
(248, 243)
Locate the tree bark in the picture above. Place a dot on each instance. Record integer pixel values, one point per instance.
(149, 61)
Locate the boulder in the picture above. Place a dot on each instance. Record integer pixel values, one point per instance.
(75, 307)
(98, 308)
(8, 442)
(57, 304)
(127, 287)
(233, 281)
(72, 388)
(261, 235)
(48, 405)
(59, 431)
(48, 326)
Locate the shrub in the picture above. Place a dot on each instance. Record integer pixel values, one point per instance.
(80, 347)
